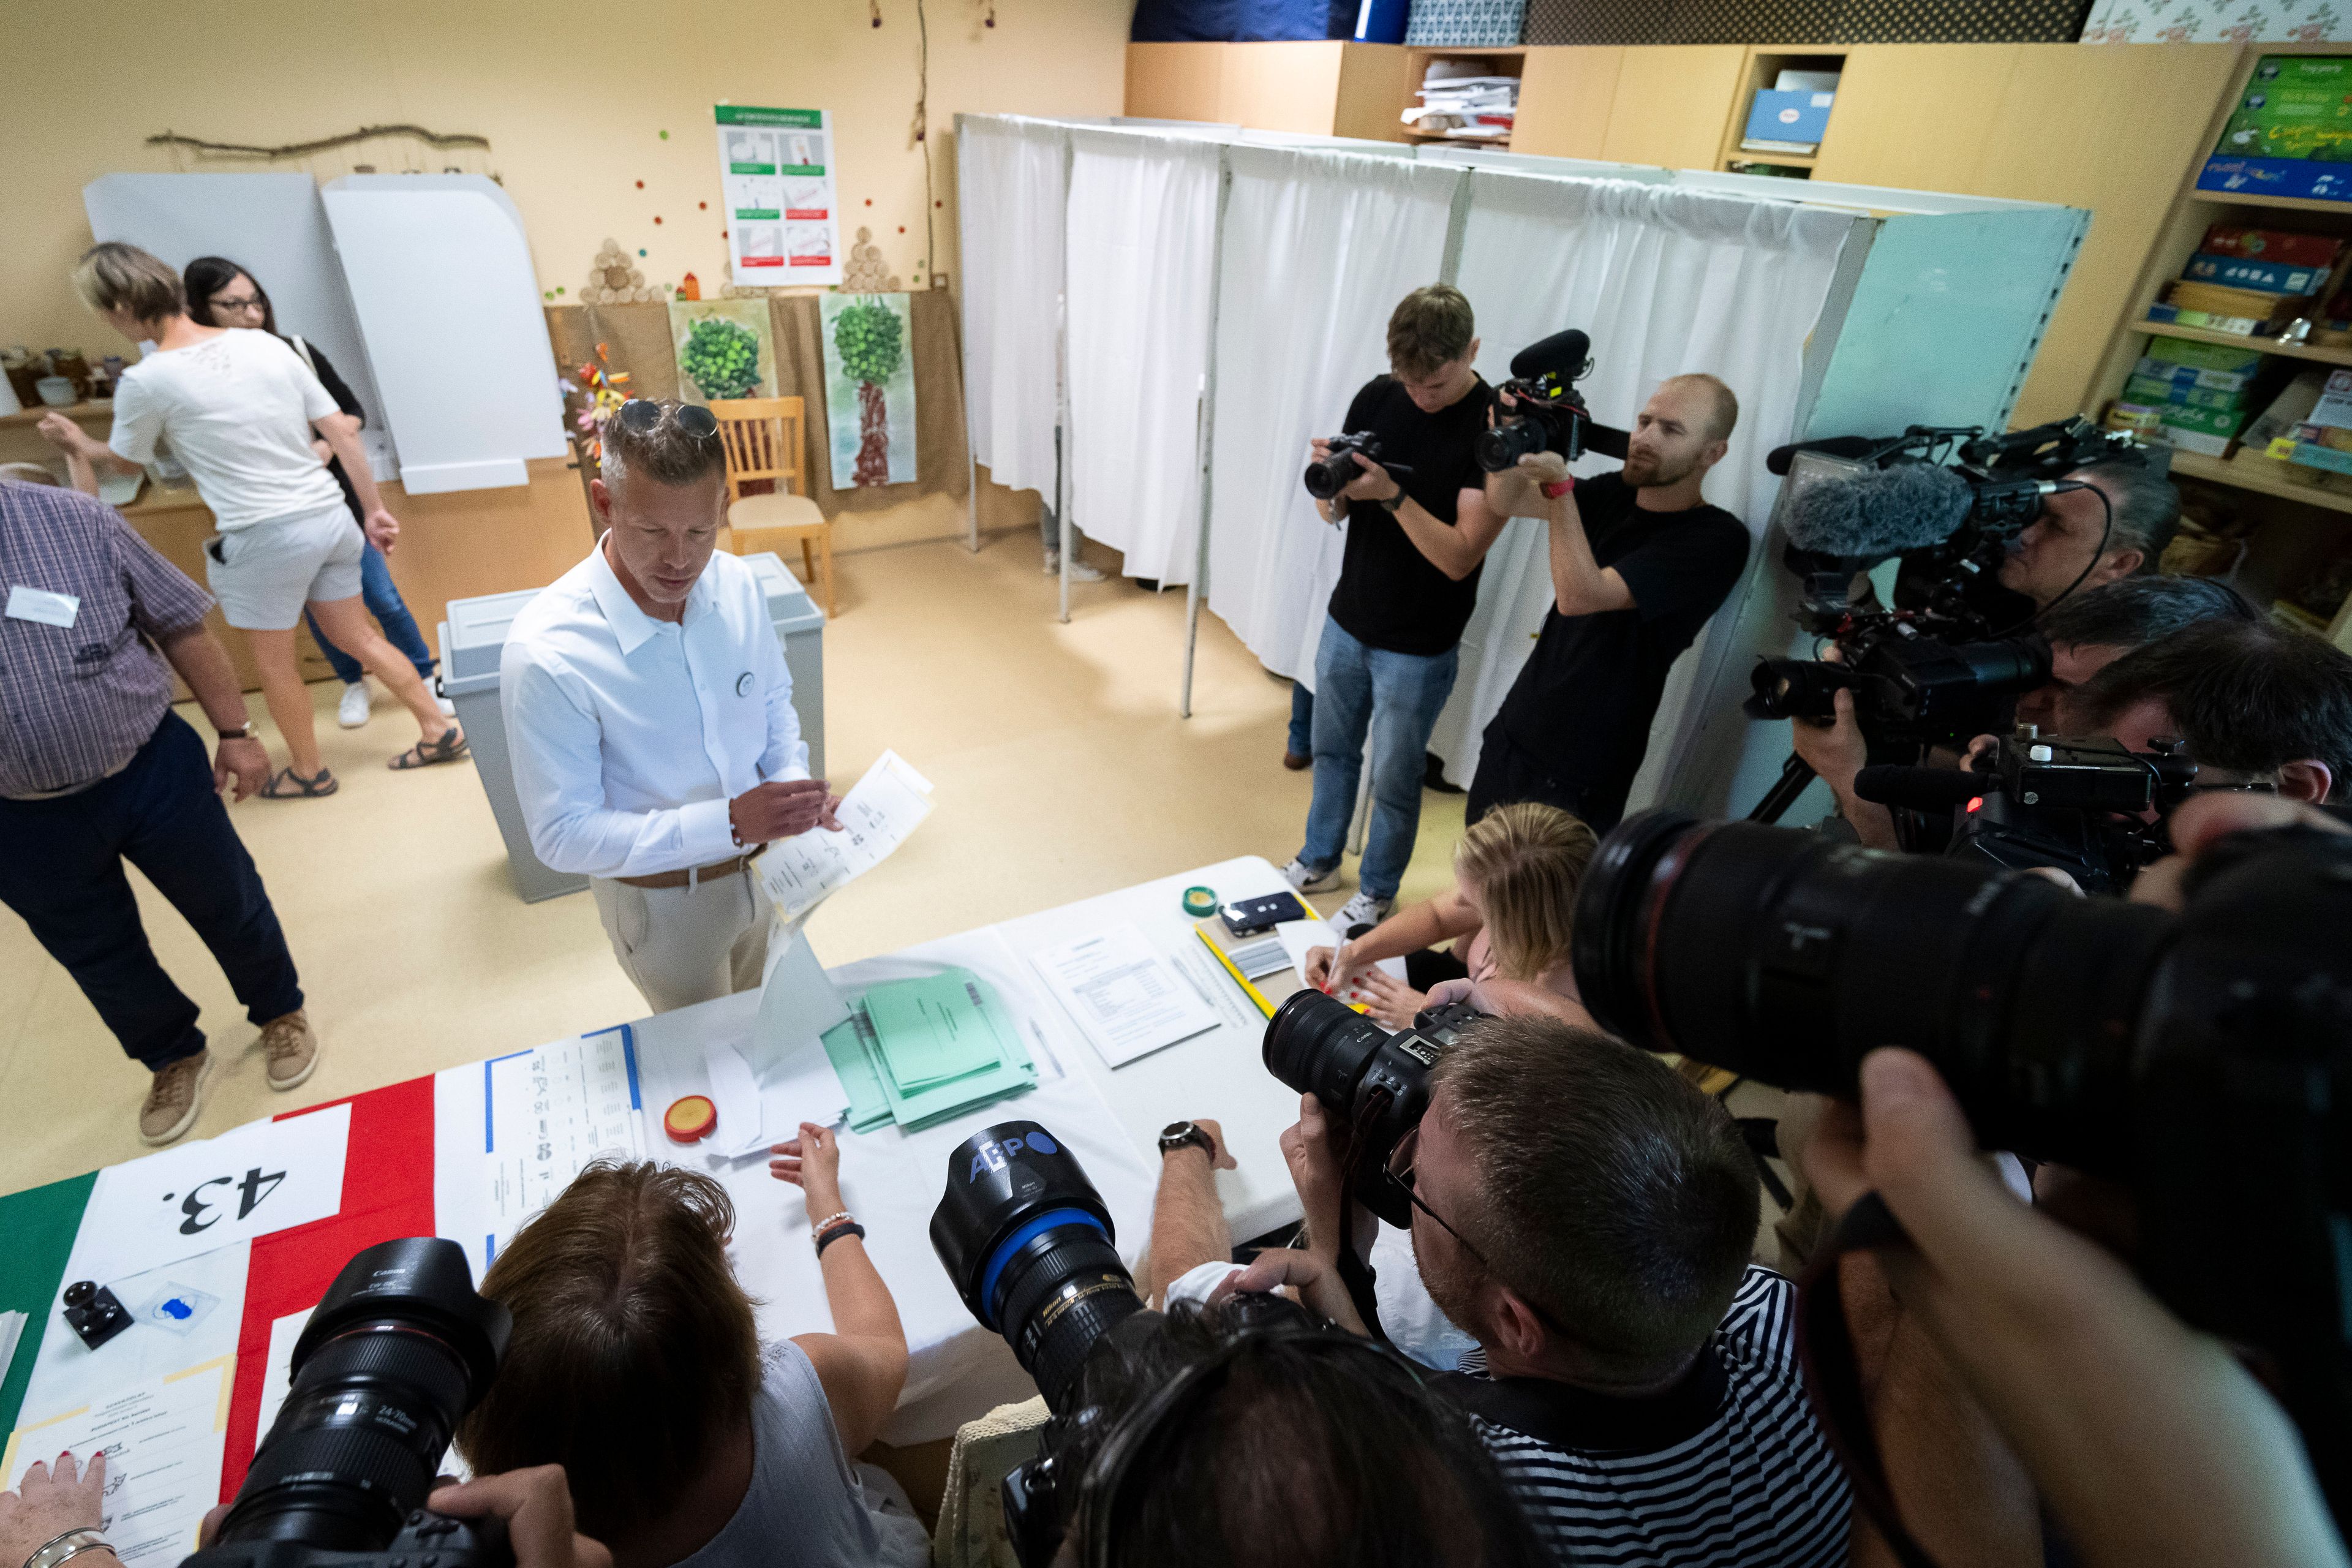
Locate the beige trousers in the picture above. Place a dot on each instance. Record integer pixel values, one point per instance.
(683, 945)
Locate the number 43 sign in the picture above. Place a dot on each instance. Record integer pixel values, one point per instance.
(265, 1176)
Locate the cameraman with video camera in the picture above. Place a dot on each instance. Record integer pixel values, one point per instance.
(1639, 562)
(2063, 548)
(1390, 645)
(2086, 631)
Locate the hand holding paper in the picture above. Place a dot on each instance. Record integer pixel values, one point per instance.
(875, 818)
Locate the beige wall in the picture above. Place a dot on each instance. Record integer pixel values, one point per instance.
(572, 97)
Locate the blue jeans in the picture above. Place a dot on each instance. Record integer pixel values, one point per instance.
(381, 597)
(1300, 742)
(62, 871)
(1395, 698)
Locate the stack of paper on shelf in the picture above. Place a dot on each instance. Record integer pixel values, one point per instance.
(919, 1051)
(1469, 108)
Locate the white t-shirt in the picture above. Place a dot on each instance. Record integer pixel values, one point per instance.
(237, 409)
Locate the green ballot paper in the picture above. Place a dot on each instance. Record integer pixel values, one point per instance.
(921, 1050)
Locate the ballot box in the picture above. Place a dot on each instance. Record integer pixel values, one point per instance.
(475, 634)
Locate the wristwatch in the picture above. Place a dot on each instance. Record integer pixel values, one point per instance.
(242, 732)
(1187, 1135)
(1390, 504)
(1555, 488)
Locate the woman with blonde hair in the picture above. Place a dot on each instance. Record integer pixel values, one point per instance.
(1516, 873)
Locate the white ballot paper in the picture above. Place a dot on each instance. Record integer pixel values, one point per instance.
(736, 1095)
(1127, 998)
(262, 1177)
(548, 1113)
(162, 1441)
(1298, 936)
(877, 815)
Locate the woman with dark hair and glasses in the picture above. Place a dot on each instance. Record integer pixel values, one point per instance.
(223, 294)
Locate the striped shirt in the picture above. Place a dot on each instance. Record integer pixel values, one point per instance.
(1728, 1466)
(76, 701)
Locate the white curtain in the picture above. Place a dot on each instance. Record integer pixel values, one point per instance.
(1010, 207)
(1666, 282)
(1319, 248)
(1142, 243)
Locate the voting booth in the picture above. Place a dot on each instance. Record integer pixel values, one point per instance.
(474, 637)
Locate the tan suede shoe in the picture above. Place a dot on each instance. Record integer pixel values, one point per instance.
(173, 1098)
(292, 1049)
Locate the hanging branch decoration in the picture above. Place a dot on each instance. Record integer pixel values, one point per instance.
(304, 149)
(866, 336)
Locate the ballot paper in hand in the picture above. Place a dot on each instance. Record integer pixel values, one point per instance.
(1298, 936)
(877, 814)
(1128, 999)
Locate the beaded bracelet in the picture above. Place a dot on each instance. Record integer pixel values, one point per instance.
(818, 1227)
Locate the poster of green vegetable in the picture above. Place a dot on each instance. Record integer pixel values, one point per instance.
(869, 388)
(725, 349)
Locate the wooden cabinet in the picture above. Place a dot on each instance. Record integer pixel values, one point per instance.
(1333, 87)
(2108, 128)
(1565, 97)
(1671, 104)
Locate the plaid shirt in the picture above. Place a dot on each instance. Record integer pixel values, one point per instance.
(76, 702)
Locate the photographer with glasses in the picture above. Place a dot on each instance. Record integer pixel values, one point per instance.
(1586, 1217)
(650, 714)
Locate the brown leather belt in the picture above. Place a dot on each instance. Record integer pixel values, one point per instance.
(698, 874)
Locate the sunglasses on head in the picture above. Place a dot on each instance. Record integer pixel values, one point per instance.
(642, 415)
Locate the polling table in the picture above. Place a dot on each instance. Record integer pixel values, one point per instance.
(216, 1250)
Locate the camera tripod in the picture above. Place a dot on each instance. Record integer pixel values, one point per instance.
(1795, 775)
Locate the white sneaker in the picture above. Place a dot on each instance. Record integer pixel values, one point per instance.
(1361, 911)
(1304, 879)
(448, 708)
(1079, 571)
(353, 710)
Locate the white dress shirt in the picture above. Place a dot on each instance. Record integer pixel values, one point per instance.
(630, 735)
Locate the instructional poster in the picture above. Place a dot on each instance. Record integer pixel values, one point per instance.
(776, 171)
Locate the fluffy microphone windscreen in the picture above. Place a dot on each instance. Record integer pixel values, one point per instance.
(1880, 511)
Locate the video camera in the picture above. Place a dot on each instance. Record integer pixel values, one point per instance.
(1548, 414)
(2078, 805)
(1932, 669)
(2203, 1059)
(398, 1348)
(1328, 476)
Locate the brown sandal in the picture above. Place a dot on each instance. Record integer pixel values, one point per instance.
(425, 754)
(287, 784)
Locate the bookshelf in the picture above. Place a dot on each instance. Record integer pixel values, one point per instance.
(2293, 527)
(1760, 69)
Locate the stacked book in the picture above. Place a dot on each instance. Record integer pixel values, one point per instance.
(1467, 107)
(2251, 281)
(2291, 134)
(2193, 395)
(2322, 437)
(919, 1051)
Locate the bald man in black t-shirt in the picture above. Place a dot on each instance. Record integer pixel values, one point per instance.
(1639, 562)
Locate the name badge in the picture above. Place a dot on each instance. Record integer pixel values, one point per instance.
(743, 684)
(40, 604)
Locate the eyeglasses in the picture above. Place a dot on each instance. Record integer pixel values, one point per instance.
(643, 416)
(248, 302)
(1399, 1170)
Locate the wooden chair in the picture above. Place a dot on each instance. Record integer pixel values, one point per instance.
(765, 438)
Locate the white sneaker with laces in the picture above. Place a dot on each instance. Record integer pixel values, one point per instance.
(1079, 571)
(1362, 910)
(357, 703)
(1304, 879)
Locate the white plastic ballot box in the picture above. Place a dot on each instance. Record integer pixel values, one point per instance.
(476, 632)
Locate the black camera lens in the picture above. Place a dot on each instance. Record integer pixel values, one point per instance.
(1375, 1083)
(1318, 1045)
(397, 1350)
(1030, 1246)
(1795, 688)
(1502, 446)
(1769, 951)
(1327, 477)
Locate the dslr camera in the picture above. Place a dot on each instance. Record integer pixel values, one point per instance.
(1327, 477)
(398, 1348)
(2078, 805)
(2202, 1059)
(1548, 414)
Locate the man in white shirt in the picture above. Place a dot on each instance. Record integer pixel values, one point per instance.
(650, 717)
